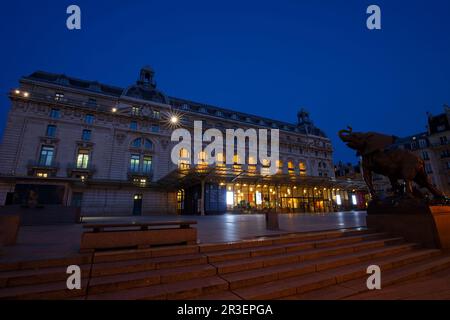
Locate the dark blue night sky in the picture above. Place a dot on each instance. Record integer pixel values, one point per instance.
(265, 57)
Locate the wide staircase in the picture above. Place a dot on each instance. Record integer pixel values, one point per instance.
(314, 265)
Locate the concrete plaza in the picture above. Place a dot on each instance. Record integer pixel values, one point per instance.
(40, 242)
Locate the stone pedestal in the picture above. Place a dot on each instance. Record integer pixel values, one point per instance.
(9, 229)
(413, 220)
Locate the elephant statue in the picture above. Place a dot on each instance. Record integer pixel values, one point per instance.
(380, 156)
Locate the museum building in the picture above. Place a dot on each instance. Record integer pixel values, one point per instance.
(107, 150)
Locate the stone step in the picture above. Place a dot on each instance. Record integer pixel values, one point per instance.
(136, 254)
(152, 277)
(38, 276)
(118, 267)
(346, 273)
(235, 254)
(111, 256)
(282, 239)
(148, 278)
(182, 290)
(47, 263)
(168, 257)
(314, 281)
(230, 266)
(253, 277)
(353, 289)
(54, 290)
(404, 273)
(226, 295)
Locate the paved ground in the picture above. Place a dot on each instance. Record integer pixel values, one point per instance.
(42, 242)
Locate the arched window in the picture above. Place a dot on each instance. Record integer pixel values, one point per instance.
(202, 157)
(302, 168)
(279, 164)
(148, 144)
(136, 143)
(290, 166)
(185, 159)
(184, 153)
(220, 158)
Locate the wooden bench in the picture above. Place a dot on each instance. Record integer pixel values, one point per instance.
(103, 236)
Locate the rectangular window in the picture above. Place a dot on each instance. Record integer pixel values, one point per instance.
(51, 130)
(425, 155)
(46, 156)
(135, 111)
(156, 114)
(133, 125)
(428, 168)
(422, 143)
(59, 96)
(82, 159)
(92, 102)
(134, 163)
(86, 135)
(147, 164)
(155, 128)
(55, 114)
(89, 119)
(443, 140)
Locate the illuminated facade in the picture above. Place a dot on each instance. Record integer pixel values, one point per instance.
(107, 150)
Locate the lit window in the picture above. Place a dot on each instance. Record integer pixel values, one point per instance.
(134, 162)
(156, 114)
(220, 158)
(46, 156)
(338, 200)
(42, 174)
(354, 201)
(59, 96)
(147, 164)
(135, 111)
(202, 157)
(89, 119)
(251, 161)
(302, 168)
(184, 153)
(83, 159)
(55, 114)
(51, 131)
(290, 166)
(86, 135)
(236, 159)
(279, 164)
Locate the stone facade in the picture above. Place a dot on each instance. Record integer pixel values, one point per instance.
(104, 148)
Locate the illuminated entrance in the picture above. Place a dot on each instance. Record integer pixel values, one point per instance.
(217, 190)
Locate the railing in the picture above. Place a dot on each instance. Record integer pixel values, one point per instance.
(90, 169)
(42, 165)
(132, 173)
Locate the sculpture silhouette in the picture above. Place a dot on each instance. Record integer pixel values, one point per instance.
(379, 156)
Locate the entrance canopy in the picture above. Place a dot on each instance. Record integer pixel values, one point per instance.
(186, 177)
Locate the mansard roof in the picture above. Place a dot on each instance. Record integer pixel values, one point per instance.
(63, 80)
(145, 89)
